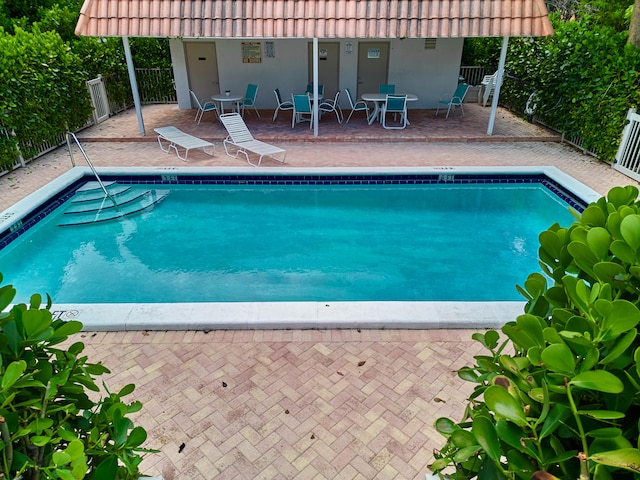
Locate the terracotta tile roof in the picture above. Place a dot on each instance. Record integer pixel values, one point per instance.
(314, 18)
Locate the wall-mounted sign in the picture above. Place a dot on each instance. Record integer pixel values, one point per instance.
(269, 50)
(373, 53)
(251, 52)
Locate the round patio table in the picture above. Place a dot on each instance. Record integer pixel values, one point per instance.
(378, 99)
(222, 98)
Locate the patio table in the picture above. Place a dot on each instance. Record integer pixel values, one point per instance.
(378, 100)
(222, 98)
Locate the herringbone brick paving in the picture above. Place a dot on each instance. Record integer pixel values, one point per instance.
(297, 403)
(317, 404)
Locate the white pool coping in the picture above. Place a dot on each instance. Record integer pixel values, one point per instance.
(286, 315)
(289, 315)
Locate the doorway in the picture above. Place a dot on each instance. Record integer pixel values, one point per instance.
(328, 67)
(202, 65)
(373, 66)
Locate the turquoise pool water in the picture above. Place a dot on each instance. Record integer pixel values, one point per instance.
(245, 243)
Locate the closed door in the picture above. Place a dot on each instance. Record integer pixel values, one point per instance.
(373, 66)
(202, 65)
(328, 66)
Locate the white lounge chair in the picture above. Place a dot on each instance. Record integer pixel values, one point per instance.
(177, 138)
(241, 138)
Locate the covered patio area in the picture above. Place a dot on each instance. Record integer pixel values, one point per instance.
(425, 127)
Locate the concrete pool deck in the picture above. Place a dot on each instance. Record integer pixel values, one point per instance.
(300, 403)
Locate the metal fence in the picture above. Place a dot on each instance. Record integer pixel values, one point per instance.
(156, 85)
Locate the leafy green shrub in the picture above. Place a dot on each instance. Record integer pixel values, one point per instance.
(49, 427)
(43, 94)
(560, 396)
(586, 77)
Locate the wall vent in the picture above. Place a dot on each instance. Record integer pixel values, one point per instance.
(429, 43)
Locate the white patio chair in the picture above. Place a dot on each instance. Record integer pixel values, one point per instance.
(209, 106)
(286, 105)
(488, 87)
(332, 105)
(358, 106)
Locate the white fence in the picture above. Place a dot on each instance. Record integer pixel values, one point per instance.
(99, 99)
(472, 75)
(628, 157)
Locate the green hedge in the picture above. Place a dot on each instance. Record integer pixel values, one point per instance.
(43, 93)
(586, 77)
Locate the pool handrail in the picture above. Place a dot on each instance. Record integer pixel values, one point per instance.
(86, 157)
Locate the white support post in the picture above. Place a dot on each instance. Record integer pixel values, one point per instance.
(496, 92)
(134, 83)
(315, 87)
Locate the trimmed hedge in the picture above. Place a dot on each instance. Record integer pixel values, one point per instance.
(44, 92)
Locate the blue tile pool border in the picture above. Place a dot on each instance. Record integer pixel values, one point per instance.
(179, 177)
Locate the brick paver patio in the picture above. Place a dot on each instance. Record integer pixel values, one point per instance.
(310, 404)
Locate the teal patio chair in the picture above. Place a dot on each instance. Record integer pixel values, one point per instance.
(301, 109)
(396, 104)
(386, 88)
(320, 89)
(455, 100)
(250, 99)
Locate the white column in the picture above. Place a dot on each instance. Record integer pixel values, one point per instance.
(134, 83)
(315, 87)
(496, 92)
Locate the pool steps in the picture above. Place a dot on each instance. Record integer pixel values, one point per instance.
(91, 205)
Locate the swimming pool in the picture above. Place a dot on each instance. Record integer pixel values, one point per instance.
(245, 297)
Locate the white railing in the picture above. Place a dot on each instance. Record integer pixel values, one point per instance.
(472, 75)
(628, 157)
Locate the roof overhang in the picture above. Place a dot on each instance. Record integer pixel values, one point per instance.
(314, 18)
